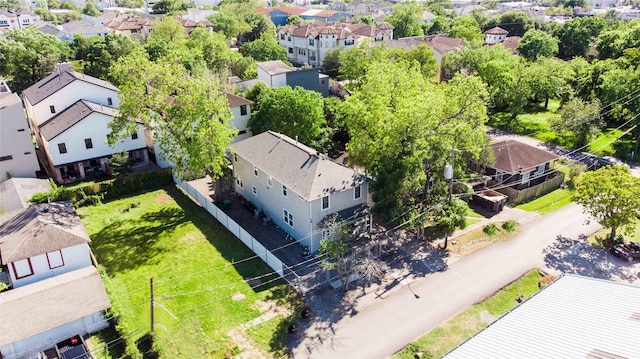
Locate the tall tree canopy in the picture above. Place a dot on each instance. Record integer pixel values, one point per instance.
(402, 128)
(611, 195)
(516, 22)
(298, 113)
(28, 55)
(577, 35)
(405, 19)
(96, 54)
(189, 117)
(535, 44)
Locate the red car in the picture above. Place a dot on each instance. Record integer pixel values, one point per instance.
(628, 251)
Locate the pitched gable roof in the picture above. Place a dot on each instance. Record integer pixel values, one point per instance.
(275, 67)
(512, 156)
(71, 116)
(47, 304)
(300, 168)
(235, 100)
(59, 79)
(496, 31)
(40, 229)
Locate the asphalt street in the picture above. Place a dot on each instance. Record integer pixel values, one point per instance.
(386, 326)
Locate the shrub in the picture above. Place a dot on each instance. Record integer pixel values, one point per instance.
(490, 229)
(509, 226)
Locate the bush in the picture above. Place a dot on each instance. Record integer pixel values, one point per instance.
(490, 229)
(509, 226)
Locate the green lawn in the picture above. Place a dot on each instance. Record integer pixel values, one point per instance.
(456, 330)
(603, 233)
(165, 236)
(477, 239)
(549, 202)
(603, 144)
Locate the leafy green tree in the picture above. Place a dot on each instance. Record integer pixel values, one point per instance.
(438, 26)
(465, 28)
(189, 117)
(297, 113)
(577, 35)
(612, 43)
(405, 19)
(535, 44)
(259, 24)
(132, 4)
(226, 24)
(400, 123)
(549, 78)
(611, 196)
(28, 55)
(421, 54)
(264, 49)
(170, 6)
(120, 163)
(97, 54)
(366, 19)
(451, 216)
(294, 19)
(331, 62)
(335, 256)
(90, 9)
(579, 117)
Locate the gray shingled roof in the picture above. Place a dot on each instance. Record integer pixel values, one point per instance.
(36, 230)
(72, 115)
(302, 169)
(50, 303)
(16, 192)
(574, 317)
(513, 155)
(63, 76)
(235, 100)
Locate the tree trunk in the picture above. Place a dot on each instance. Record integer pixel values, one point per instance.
(546, 102)
(612, 236)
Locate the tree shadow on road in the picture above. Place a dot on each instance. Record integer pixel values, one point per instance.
(577, 257)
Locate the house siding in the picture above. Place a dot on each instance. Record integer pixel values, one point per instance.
(75, 257)
(307, 214)
(240, 122)
(16, 141)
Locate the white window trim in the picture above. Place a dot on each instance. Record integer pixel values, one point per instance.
(322, 203)
(288, 217)
(355, 191)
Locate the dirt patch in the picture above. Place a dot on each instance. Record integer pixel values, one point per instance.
(191, 236)
(164, 198)
(486, 317)
(238, 296)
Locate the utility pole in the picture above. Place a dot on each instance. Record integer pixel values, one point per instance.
(448, 175)
(152, 316)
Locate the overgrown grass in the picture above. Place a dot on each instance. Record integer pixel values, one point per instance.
(549, 202)
(456, 330)
(106, 344)
(270, 336)
(165, 236)
(476, 240)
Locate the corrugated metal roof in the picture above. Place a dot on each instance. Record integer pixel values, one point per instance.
(50, 303)
(575, 317)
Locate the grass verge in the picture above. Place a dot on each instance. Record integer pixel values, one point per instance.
(456, 330)
(200, 293)
(604, 232)
(549, 202)
(270, 335)
(476, 240)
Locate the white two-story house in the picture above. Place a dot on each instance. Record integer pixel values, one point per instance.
(294, 185)
(69, 113)
(56, 291)
(17, 19)
(308, 43)
(17, 153)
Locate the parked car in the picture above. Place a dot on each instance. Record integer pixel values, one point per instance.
(627, 251)
(609, 161)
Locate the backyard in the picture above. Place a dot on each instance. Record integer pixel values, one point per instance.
(206, 282)
(456, 330)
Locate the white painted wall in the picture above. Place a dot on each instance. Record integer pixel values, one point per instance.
(29, 347)
(16, 141)
(94, 126)
(70, 94)
(75, 257)
(240, 122)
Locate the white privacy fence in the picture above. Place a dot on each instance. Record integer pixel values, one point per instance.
(233, 227)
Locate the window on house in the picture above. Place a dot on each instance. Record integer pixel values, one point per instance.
(357, 192)
(284, 191)
(349, 42)
(134, 136)
(109, 101)
(302, 52)
(311, 42)
(281, 36)
(288, 217)
(255, 171)
(325, 202)
(243, 110)
(291, 50)
(4, 22)
(255, 190)
(88, 143)
(499, 176)
(239, 182)
(6, 158)
(288, 38)
(52, 109)
(235, 158)
(22, 268)
(62, 147)
(55, 259)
